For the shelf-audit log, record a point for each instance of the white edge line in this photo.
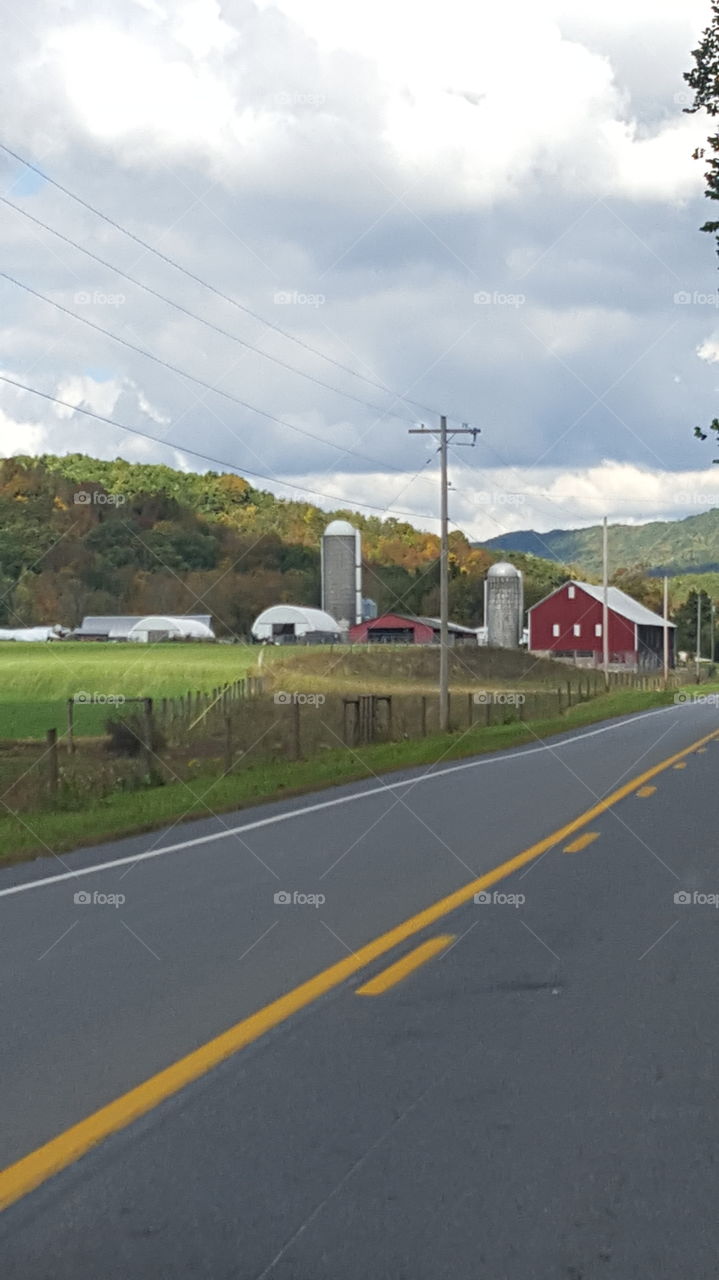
(498, 758)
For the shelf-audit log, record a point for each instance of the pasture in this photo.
(37, 679)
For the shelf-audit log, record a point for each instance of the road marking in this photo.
(681, 765)
(646, 791)
(577, 845)
(39, 1165)
(402, 968)
(499, 758)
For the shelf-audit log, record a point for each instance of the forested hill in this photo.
(671, 546)
(79, 535)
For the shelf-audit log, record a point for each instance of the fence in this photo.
(243, 724)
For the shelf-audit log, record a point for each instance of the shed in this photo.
(154, 629)
(404, 628)
(290, 623)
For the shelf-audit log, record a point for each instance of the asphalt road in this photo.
(539, 1099)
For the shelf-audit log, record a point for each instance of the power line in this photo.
(206, 457)
(178, 306)
(205, 284)
(192, 378)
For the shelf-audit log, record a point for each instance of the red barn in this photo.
(568, 624)
(400, 628)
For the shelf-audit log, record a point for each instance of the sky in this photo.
(400, 211)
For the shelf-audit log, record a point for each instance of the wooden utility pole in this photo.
(444, 434)
(666, 631)
(605, 604)
(699, 632)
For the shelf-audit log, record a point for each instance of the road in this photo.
(537, 1098)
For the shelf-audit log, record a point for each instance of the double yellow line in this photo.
(33, 1169)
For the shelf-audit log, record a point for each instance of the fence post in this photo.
(229, 759)
(470, 710)
(295, 730)
(147, 736)
(569, 693)
(423, 715)
(52, 766)
(70, 725)
(559, 700)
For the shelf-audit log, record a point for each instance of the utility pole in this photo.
(666, 632)
(713, 610)
(444, 434)
(605, 604)
(699, 631)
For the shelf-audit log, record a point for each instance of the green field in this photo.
(37, 679)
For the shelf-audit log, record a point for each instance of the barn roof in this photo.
(618, 601)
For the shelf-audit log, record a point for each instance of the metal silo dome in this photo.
(339, 529)
(503, 569)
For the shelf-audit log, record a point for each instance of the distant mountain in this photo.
(664, 546)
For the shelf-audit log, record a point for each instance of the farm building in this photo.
(120, 626)
(290, 623)
(568, 624)
(154, 629)
(401, 628)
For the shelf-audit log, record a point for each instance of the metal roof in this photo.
(315, 619)
(120, 624)
(618, 601)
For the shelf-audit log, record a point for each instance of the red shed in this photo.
(401, 628)
(568, 624)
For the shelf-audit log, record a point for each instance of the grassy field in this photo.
(37, 679)
(123, 814)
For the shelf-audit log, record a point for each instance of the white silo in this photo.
(504, 606)
(342, 573)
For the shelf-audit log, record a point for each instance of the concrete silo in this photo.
(342, 573)
(504, 606)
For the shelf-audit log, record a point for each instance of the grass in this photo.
(123, 815)
(37, 679)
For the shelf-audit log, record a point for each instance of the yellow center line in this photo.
(681, 765)
(39, 1165)
(581, 843)
(402, 968)
(646, 791)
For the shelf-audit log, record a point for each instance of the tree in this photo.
(703, 79)
(686, 623)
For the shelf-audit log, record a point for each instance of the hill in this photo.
(79, 535)
(663, 546)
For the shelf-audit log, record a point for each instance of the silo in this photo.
(503, 606)
(342, 573)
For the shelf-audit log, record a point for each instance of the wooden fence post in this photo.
(423, 715)
(70, 725)
(295, 737)
(569, 693)
(52, 765)
(470, 710)
(229, 757)
(147, 737)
